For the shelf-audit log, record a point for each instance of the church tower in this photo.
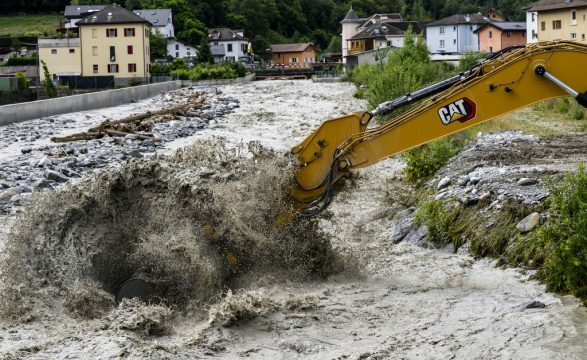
(349, 29)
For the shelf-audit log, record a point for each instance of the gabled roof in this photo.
(76, 11)
(157, 17)
(389, 28)
(504, 26)
(300, 47)
(225, 34)
(460, 19)
(351, 17)
(113, 14)
(378, 18)
(545, 5)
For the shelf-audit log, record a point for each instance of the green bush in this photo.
(21, 61)
(563, 240)
(206, 72)
(469, 59)
(566, 106)
(424, 161)
(22, 82)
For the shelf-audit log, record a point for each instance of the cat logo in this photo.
(461, 110)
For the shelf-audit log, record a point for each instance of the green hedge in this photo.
(229, 70)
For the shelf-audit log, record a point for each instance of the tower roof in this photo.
(351, 17)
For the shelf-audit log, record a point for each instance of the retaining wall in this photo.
(35, 109)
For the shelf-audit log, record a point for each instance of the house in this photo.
(454, 34)
(227, 44)
(112, 42)
(531, 26)
(74, 13)
(370, 39)
(62, 56)
(180, 49)
(303, 54)
(495, 36)
(161, 19)
(560, 19)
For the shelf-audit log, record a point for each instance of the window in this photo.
(454, 28)
(490, 34)
(177, 54)
(543, 26)
(94, 33)
(188, 53)
(583, 37)
(72, 51)
(441, 43)
(112, 53)
(573, 36)
(508, 34)
(146, 32)
(441, 29)
(533, 17)
(111, 32)
(556, 24)
(129, 32)
(454, 41)
(129, 50)
(176, 46)
(54, 51)
(95, 68)
(293, 60)
(132, 68)
(574, 17)
(534, 36)
(244, 48)
(491, 49)
(112, 68)
(94, 50)
(229, 48)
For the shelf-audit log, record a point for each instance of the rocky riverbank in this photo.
(38, 164)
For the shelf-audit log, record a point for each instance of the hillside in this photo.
(21, 25)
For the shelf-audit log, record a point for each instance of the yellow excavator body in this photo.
(506, 82)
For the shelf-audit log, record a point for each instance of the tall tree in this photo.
(204, 53)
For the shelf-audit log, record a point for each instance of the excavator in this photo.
(504, 81)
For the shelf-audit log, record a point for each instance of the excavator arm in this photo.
(504, 82)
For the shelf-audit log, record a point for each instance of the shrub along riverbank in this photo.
(557, 249)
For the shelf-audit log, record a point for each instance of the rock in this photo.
(444, 182)
(42, 184)
(474, 180)
(4, 185)
(463, 180)
(206, 172)
(527, 181)
(528, 223)
(9, 193)
(20, 199)
(485, 196)
(441, 195)
(535, 304)
(45, 161)
(135, 154)
(26, 150)
(403, 223)
(470, 200)
(55, 176)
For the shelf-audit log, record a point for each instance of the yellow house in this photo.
(560, 19)
(114, 41)
(62, 56)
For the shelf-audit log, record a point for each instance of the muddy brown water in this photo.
(405, 302)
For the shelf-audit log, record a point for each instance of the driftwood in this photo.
(138, 125)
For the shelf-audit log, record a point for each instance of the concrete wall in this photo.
(33, 110)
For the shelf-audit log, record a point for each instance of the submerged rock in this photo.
(535, 304)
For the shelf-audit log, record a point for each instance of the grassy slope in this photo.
(19, 25)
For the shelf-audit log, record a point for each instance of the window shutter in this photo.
(107, 33)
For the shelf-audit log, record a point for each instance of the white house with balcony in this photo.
(227, 44)
(179, 49)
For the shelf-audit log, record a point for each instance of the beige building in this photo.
(560, 19)
(62, 56)
(112, 42)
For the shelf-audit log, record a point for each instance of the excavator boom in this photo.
(504, 82)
